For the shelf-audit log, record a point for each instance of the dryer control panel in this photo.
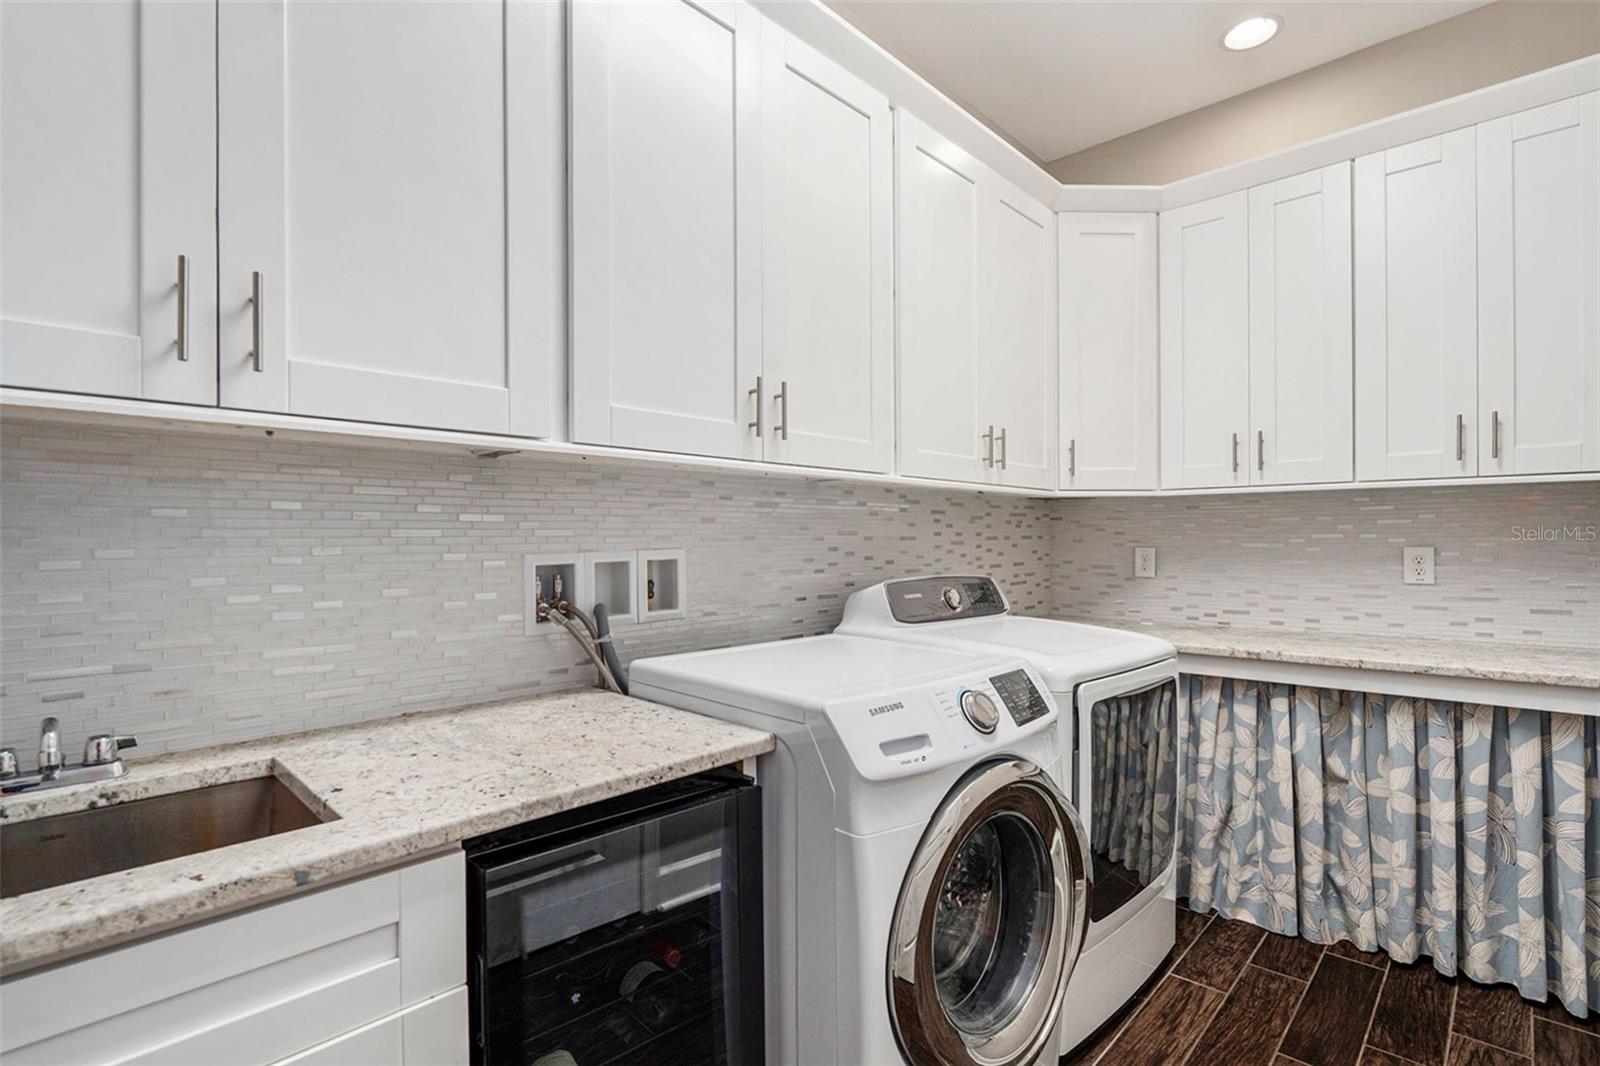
(915, 729)
(939, 599)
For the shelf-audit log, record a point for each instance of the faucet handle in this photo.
(50, 757)
(8, 762)
(103, 748)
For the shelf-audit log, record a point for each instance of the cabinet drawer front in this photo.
(432, 1033)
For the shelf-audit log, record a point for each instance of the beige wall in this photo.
(1488, 45)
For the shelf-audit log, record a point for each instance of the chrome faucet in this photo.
(102, 760)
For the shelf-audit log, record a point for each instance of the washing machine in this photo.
(1117, 694)
(926, 879)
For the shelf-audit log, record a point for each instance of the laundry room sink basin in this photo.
(63, 848)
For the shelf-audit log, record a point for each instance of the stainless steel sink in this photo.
(57, 850)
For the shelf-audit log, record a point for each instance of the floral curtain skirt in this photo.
(1467, 833)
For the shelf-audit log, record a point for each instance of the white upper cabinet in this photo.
(375, 185)
(1539, 290)
(1018, 356)
(1205, 353)
(942, 191)
(1416, 310)
(1301, 358)
(827, 263)
(665, 228)
(107, 198)
(1108, 351)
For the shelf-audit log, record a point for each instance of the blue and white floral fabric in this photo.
(1467, 833)
(1135, 756)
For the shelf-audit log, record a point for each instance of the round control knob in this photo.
(980, 711)
(951, 597)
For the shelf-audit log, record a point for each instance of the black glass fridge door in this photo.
(628, 939)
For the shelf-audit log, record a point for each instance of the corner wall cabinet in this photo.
(108, 199)
(1108, 351)
(977, 314)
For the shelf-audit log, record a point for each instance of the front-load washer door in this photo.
(990, 921)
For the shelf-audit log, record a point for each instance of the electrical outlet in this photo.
(1144, 562)
(1418, 566)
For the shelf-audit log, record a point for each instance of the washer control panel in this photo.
(900, 731)
(939, 599)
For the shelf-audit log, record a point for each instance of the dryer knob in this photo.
(980, 711)
(951, 597)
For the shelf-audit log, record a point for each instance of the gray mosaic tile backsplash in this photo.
(197, 588)
(1514, 563)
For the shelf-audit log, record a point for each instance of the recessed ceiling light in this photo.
(1252, 32)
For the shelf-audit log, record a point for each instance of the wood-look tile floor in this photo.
(1235, 995)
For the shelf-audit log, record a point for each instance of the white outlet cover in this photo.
(1417, 566)
(1144, 562)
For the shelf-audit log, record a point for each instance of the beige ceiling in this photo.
(1056, 76)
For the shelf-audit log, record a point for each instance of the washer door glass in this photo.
(990, 921)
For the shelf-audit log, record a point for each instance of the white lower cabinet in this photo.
(1539, 290)
(376, 966)
(1205, 344)
(1108, 351)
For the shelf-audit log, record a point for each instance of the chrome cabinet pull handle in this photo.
(1261, 451)
(782, 427)
(1002, 447)
(183, 309)
(1461, 440)
(1494, 435)
(1072, 457)
(988, 447)
(1236, 453)
(255, 320)
(756, 392)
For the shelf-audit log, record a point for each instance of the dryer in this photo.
(1117, 693)
(926, 879)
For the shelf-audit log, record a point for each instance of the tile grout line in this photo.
(1223, 1002)
(1372, 1015)
(1450, 1030)
(1277, 1049)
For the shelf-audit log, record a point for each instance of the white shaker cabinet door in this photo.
(1539, 290)
(1205, 344)
(1017, 371)
(666, 245)
(378, 167)
(939, 233)
(1108, 351)
(827, 262)
(108, 198)
(1301, 354)
(1416, 310)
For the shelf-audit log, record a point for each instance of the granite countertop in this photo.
(400, 786)
(1484, 660)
